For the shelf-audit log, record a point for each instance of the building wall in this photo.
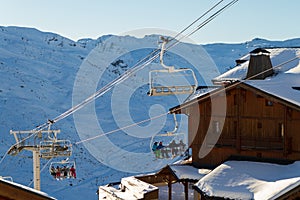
(255, 125)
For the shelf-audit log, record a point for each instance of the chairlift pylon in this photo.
(157, 89)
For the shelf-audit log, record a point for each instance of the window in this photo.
(281, 130)
(259, 125)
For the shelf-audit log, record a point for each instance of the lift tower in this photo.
(43, 144)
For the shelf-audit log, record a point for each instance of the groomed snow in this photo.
(250, 180)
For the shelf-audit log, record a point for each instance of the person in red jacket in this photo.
(73, 172)
(57, 171)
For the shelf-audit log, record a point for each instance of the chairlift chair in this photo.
(62, 169)
(171, 137)
(174, 145)
(156, 89)
(57, 148)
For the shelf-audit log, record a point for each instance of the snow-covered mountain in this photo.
(39, 72)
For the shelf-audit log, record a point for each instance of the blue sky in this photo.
(76, 19)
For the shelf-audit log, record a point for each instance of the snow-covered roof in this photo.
(250, 180)
(29, 189)
(188, 172)
(130, 188)
(139, 187)
(284, 83)
(109, 192)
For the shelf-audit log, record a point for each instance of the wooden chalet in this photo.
(246, 119)
(256, 124)
(253, 116)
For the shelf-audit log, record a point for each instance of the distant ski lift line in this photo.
(138, 66)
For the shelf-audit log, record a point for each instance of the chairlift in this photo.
(161, 88)
(174, 143)
(64, 169)
(57, 148)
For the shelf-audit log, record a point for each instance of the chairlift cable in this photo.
(122, 128)
(213, 16)
(182, 106)
(195, 21)
(138, 66)
(205, 22)
(239, 82)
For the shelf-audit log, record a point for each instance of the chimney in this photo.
(260, 65)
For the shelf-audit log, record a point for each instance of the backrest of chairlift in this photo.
(178, 81)
(62, 165)
(170, 88)
(167, 138)
(59, 148)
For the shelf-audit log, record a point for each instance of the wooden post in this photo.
(284, 132)
(170, 189)
(238, 123)
(186, 190)
(36, 169)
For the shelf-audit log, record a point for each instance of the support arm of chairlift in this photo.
(162, 51)
(175, 127)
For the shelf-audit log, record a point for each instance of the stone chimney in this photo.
(260, 65)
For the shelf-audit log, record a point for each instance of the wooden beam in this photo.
(186, 190)
(170, 189)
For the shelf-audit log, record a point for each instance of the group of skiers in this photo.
(60, 173)
(162, 151)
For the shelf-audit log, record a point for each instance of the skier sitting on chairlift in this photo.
(73, 172)
(155, 150)
(57, 171)
(163, 150)
(52, 172)
(174, 148)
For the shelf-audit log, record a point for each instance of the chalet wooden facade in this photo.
(252, 118)
(257, 125)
